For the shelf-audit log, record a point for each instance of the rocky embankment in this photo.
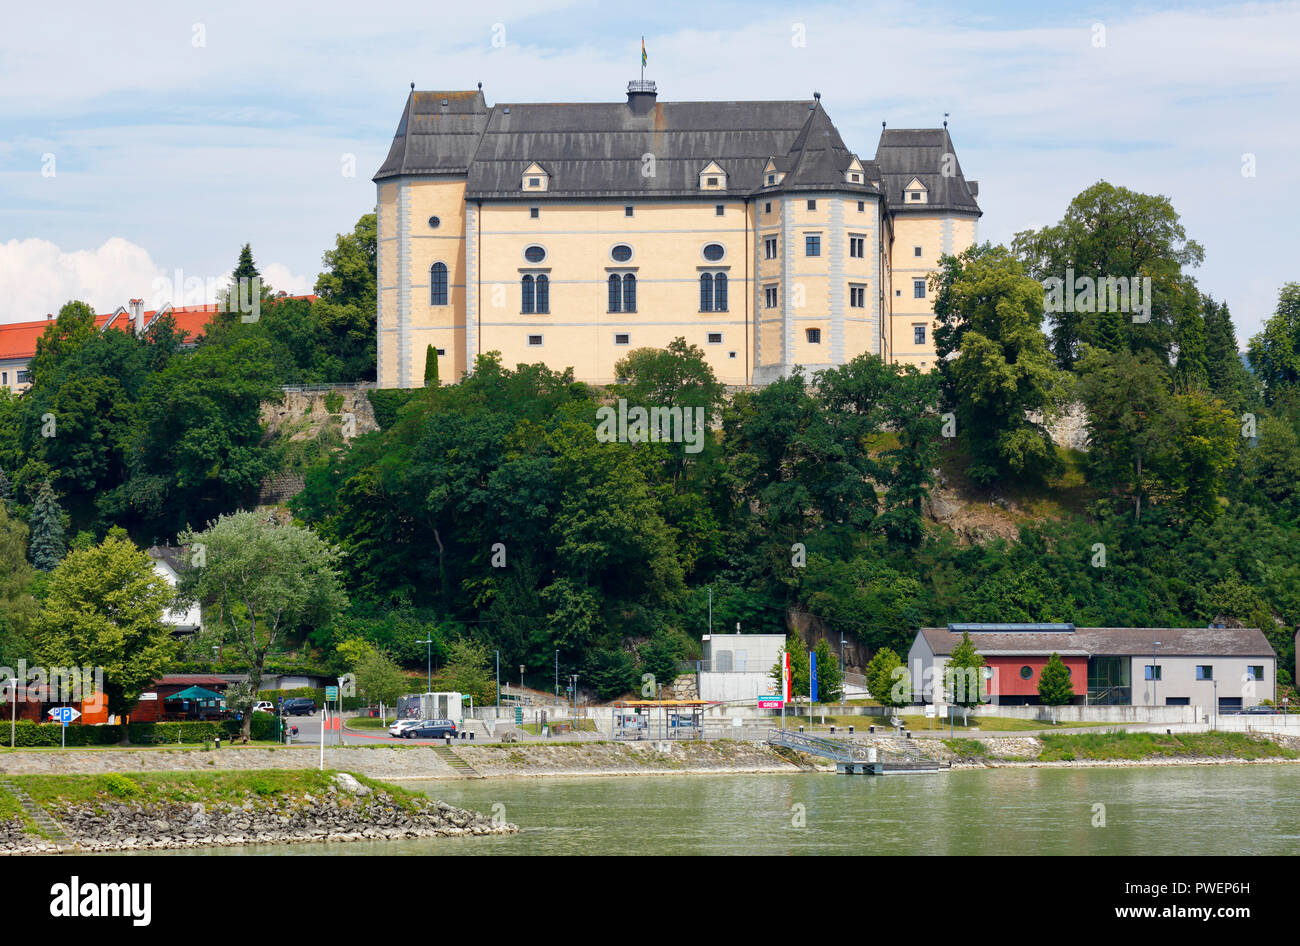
(345, 811)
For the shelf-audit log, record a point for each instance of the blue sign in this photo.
(63, 714)
(812, 677)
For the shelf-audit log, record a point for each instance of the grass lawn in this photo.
(920, 723)
(1148, 745)
(370, 722)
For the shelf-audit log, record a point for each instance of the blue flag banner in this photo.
(812, 676)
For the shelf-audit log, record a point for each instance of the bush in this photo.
(387, 402)
(119, 785)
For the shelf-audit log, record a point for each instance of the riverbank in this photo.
(1145, 748)
(400, 762)
(115, 812)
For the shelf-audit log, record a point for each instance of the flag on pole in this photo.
(812, 678)
(643, 57)
(785, 676)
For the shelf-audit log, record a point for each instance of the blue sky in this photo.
(181, 130)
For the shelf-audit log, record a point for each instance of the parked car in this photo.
(403, 724)
(264, 706)
(1259, 710)
(299, 706)
(430, 729)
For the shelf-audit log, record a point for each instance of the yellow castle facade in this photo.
(570, 234)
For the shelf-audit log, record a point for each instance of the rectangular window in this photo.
(534, 182)
(627, 211)
(857, 247)
(858, 297)
(621, 339)
(918, 334)
(769, 248)
(1255, 672)
(769, 296)
(715, 338)
(918, 288)
(534, 339)
(731, 354)
(771, 178)
(1152, 672)
(718, 209)
(862, 205)
(914, 196)
(814, 336)
(812, 205)
(441, 352)
(534, 212)
(24, 377)
(713, 182)
(767, 207)
(812, 244)
(916, 251)
(4, 377)
(1204, 672)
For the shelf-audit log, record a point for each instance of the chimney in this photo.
(137, 315)
(641, 96)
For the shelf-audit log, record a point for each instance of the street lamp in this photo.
(429, 686)
(842, 673)
(498, 653)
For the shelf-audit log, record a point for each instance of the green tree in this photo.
(431, 367)
(1054, 685)
(256, 580)
(1275, 352)
(963, 675)
(888, 680)
(830, 676)
(73, 327)
(48, 528)
(1113, 232)
(468, 670)
(378, 678)
(345, 307)
(1228, 378)
(104, 608)
(661, 654)
(995, 364)
(18, 607)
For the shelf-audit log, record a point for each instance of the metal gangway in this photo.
(851, 758)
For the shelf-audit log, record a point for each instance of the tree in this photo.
(467, 671)
(963, 675)
(431, 367)
(888, 680)
(345, 307)
(73, 327)
(830, 675)
(1228, 378)
(49, 542)
(378, 678)
(1275, 352)
(799, 668)
(104, 608)
(1112, 232)
(661, 654)
(995, 364)
(261, 579)
(18, 607)
(1055, 687)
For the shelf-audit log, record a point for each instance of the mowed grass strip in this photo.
(1130, 746)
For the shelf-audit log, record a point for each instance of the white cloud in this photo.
(37, 278)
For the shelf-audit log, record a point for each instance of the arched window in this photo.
(720, 292)
(629, 293)
(615, 285)
(438, 284)
(543, 294)
(528, 295)
(706, 292)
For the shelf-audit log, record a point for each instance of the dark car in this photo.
(430, 729)
(299, 706)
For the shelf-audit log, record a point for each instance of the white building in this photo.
(169, 562)
(739, 666)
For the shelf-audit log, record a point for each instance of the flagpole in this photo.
(643, 59)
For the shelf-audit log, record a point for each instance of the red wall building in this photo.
(1009, 679)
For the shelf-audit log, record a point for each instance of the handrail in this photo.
(817, 745)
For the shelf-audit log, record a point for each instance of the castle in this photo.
(570, 234)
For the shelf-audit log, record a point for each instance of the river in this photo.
(1222, 809)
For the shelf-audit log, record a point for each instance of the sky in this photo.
(142, 145)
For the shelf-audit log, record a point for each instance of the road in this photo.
(309, 734)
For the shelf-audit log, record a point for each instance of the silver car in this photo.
(396, 729)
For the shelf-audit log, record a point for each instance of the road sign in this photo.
(64, 714)
(331, 693)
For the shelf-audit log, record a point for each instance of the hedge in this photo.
(45, 735)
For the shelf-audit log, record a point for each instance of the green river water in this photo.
(1226, 809)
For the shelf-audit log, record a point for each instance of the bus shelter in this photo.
(657, 719)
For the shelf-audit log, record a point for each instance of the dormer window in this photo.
(916, 192)
(536, 178)
(713, 177)
(853, 173)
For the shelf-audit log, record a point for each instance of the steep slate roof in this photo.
(594, 150)
(433, 138)
(1111, 641)
(906, 153)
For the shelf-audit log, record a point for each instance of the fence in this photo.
(317, 388)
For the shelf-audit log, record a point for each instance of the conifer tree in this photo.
(1054, 685)
(49, 541)
(431, 367)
